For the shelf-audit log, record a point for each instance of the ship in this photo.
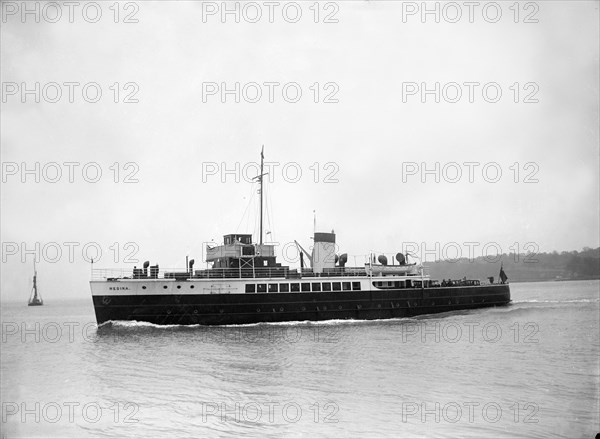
(243, 283)
(35, 299)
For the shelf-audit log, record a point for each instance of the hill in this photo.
(521, 267)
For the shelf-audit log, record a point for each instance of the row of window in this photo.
(400, 284)
(304, 287)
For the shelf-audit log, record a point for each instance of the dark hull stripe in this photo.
(227, 309)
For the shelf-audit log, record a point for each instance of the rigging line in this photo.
(250, 215)
(251, 207)
(270, 215)
(266, 206)
(256, 230)
(273, 232)
(246, 210)
(255, 208)
(247, 228)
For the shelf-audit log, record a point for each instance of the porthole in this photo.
(168, 311)
(178, 287)
(303, 308)
(191, 286)
(340, 307)
(165, 287)
(143, 287)
(195, 311)
(281, 309)
(257, 309)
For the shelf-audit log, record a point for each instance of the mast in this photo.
(260, 190)
(36, 298)
(260, 181)
(34, 283)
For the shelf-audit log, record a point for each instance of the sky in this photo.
(370, 146)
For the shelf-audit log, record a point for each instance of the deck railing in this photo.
(101, 274)
(179, 274)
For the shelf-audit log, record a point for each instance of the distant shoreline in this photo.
(554, 280)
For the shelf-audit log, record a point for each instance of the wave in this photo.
(139, 324)
(520, 311)
(135, 325)
(558, 301)
(533, 306)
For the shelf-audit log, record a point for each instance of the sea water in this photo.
(530, 369)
